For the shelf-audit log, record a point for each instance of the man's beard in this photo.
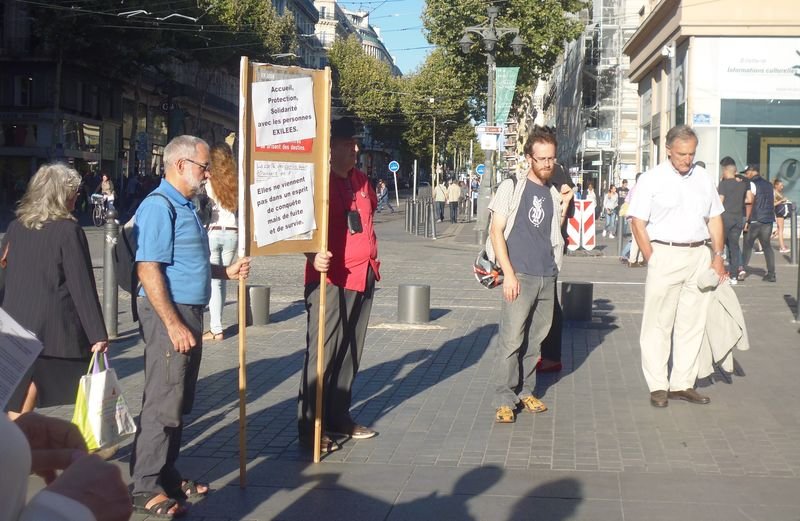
(543, 175)
(195, 184)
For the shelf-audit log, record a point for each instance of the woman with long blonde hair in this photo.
(223, 191)
(50, 288)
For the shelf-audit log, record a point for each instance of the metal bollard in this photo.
(110, 290)
(408, 215)
(576, 300)
(793, 234)
(426, 213)
(257, 306)
(433, 223)
(413, 303)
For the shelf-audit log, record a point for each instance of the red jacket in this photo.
(352, 254)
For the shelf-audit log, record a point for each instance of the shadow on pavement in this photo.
(578, 341)
(387, 388)
(315, 492)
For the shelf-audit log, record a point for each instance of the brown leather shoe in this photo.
(690, 395)
(659, 399)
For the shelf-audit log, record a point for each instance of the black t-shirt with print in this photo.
(529, 247)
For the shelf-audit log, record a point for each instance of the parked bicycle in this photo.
(99, 210)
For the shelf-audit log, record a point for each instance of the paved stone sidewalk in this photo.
(600, 453)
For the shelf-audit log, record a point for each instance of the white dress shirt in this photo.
(676, 207)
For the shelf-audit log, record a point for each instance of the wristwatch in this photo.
(720, 254)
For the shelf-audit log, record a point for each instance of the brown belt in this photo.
(222, 228)
(682, 244)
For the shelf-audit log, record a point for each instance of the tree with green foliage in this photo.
(362, 84)
(544, 26)
(438, 89)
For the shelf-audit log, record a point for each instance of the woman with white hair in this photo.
(50, 288)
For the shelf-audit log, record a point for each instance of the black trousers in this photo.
(733, 232)
(346, 319)
(170, 379)
(762, 232)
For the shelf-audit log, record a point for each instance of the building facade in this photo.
(729, 68)
(590, 100)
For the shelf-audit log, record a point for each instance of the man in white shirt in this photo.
(676, 214)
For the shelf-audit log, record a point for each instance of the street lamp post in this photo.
(490, 34)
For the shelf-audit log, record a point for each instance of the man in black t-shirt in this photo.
(734, 194)
(526, 242)
(550, 361)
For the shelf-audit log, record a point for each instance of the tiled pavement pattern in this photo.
(600, 453)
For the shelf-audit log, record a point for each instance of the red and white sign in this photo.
(581, 227)
(304, 146)
(588, 241)
(574, 229)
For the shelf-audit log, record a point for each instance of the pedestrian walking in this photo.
(610, 204)
(760, 220)
(453, 198)
(440, 198)
(525, 240)
(735, 195)
(383, 196)
(783, 209)
(222, 190)
(351, 268)
(50, 289)
(676, 212)
(172, 262)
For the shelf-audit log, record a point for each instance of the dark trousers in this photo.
(551, 345)
(170, 379)
(346, 319)
(440, 210)
(733, 232)
(762, 232)
(453, 212)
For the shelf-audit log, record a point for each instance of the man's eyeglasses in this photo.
(545, 160)
(204, 166)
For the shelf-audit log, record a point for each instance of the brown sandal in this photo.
(208, 335)
(504, 414)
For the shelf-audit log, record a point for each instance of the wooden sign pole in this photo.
(242, 383)
(323, 283)
(262, 166)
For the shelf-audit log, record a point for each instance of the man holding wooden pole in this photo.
(351, 266)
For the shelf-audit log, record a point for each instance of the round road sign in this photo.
(480, 169)
(394, 166)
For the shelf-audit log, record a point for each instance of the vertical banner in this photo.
(505, 84)
(284, 175)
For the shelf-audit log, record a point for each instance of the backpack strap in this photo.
(174, 217)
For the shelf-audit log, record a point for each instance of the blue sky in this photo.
(401, 28)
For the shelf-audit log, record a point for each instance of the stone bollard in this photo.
(576, 300)
(257, 305)
(413, 303)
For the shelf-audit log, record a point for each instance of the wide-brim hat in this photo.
(346, 128)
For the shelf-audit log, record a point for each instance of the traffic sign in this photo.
(480, 169)
(394, 166)
(490, 129)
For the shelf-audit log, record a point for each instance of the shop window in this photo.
(23, 91)
(760, 112)
(16, 135)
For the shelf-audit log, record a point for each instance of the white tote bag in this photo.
(101, 412)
